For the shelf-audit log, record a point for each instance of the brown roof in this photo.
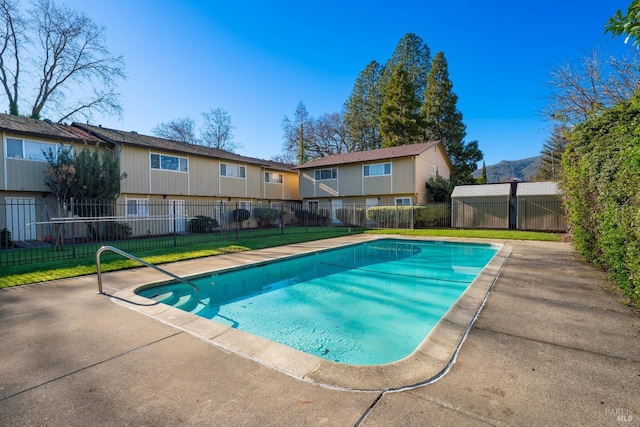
(370, 155)
(133, 138)
(44, 129)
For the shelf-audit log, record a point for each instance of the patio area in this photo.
(552, 346)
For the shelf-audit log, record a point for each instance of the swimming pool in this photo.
(366, 304)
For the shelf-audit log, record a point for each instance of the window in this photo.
(232, 171)
(275, 178)
(324, 174)
(403, 201)
(274, 205)
(137, 207)
(377, 169)
(245, 205)
(169, 163)
(313, 206)
(434, 171)
(30, 150)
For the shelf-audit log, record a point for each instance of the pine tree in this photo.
(483, 174)
(362, 110)
(400, 120)
(443, 122)
(551, 154)
(415, 56)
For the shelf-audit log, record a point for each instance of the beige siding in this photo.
(307, 185)
(135, 163)
(169, 182)
(25, 175)
(376, 185)
(204, 174)
(327, 188)
(291, 186)
(350, 179)
(403, 171)
(255, 179)
(3, 184)
(232, 187)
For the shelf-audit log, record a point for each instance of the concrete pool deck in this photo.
(552, 346)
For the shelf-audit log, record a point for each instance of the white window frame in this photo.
(273, 178)
(142, 208)
(399, 201)
(245, 204)
(367, 172)
(35, 154)
(181, 161)
(317, 174)
(226, 167)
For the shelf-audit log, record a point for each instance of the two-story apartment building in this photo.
(395, 175)
(164, 179)
(23, 193)
(162, 171)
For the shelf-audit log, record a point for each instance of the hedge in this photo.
(601, 179)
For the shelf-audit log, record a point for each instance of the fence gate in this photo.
(177, 216)
(21, 218)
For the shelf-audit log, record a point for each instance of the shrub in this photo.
(202, 224)
(313, 218)
(5, 239)
(117, 231)
(601, 179)
(240, 215)
(266, 216)
(390, 216)
(429, 216)
(355, 217)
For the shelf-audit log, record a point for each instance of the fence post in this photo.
(73, 228)
(282, 218)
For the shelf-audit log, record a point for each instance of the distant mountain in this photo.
(508, 170)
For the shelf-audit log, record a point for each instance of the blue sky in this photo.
(258, 60)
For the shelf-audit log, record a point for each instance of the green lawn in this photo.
(60, 269)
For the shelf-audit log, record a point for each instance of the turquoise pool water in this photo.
(366, 304)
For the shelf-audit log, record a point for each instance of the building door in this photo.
(177, 216)
(21, 218)
(335, 205)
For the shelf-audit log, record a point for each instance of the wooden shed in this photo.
(535, 206)
(480, 206)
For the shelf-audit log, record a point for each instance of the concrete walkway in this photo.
(552, 346)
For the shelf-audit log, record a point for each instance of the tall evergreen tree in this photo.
(298, 134)
(551, 154)
(415, 56)
(362, 109)
(443, 122)
(483, 174)
(400, 120)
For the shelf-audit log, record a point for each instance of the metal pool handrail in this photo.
(135, 258)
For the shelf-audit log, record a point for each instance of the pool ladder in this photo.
(135, 258)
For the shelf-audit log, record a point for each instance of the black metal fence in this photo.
(34, 232)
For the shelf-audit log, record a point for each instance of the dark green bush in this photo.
(117, 231)
(313, 218)
(202, 224)
(240, 215)
(430, 216)
(601, 180)
(266, 217)
(5, 239)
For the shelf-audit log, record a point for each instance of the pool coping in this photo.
(431, 359)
